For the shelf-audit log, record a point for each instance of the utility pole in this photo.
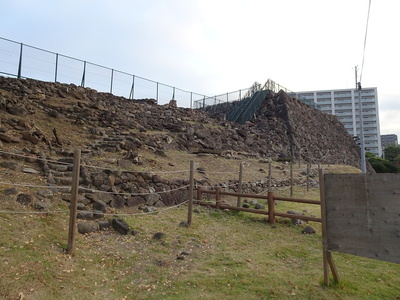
(363, 161)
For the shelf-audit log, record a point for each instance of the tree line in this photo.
(390, 163)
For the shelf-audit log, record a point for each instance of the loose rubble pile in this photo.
(115, 124)
(283, 123)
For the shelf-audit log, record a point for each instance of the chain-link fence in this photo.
(24, 61)
(218, 99)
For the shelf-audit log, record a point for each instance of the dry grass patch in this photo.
(229, 256)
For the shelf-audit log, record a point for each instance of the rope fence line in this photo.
(91, 190)
(104, 214)
(235, 184)
(128, 194)
(134, 171)
(260, 193)
(76, 188)
(219, 172)
(134, 194)
(324, 157)
(33, 212)
(126, 171)
(92, 166)
(37, 186)
(148, 213)
(36, 158)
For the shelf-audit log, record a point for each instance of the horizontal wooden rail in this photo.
(297, 200)
(265, 197)
(271, 204)
(295, 216)
(224, 206)
(255, 196)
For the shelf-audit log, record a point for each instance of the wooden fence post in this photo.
(291, 178)
(299, 157)
(326, 254)
(74, 201)
(190, 206)
(199, 193)
(218, 197)
(271, 208)
(240, 184)
(269, 174)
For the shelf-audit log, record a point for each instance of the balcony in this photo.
(343, 112)
(324, 96)
(323, 101)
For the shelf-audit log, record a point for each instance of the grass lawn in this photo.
(223, 255)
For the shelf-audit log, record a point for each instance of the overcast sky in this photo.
(216, 46)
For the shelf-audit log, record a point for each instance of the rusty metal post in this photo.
(240, 184)
(74, 201)
(271, 208)
(190, 206)
(218, 197)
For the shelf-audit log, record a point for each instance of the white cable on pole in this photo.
(365, 41)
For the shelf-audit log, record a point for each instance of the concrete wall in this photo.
(363, 215)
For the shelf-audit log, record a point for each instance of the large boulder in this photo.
(120, 226)
(88, 227)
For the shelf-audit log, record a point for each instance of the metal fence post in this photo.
(83, 75)
(131, 94)
(112, 78)
(157, 93)
(55, 73)
(20, 62)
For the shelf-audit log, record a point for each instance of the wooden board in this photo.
(363, 215)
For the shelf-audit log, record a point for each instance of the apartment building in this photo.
(344, 104)
(388, 139)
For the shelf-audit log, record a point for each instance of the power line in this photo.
(365, 40)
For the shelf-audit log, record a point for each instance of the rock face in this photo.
(280, 124)
(125, 127)
(283, 123)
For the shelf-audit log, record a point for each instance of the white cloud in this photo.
(212, 46)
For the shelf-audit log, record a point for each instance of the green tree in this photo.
(369, 155)
(391, 152)
(396, 161)
(253, 89)
(382, 165)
